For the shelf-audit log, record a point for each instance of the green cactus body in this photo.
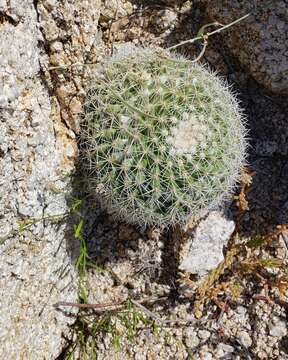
(163, 138)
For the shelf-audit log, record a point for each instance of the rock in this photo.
(204, 249)
(204, 334)
(72, 42)
(36, 268)
(277, 328)
(207, 356)
(259, 43)
(244, 338)
(223, 350)
(190, 338)
(241, 310)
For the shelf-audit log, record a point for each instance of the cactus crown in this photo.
(163, 138)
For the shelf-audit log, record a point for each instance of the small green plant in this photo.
(162, 138)
(122, 325)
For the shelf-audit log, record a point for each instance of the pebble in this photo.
(204, 249)
(204, 334)
(224, 349)
(244, 338)
(278, 328)
(241, 310)
(190, 338)
(207, 356)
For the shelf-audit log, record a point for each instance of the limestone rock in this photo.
(204, 249)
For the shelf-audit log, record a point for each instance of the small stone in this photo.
(224, 349)
(35, 121)
(58, 59)
(277, 328)
(75, 106)
(244, 338)
(49, 4)
(205, 247)
(207, 356)
(191, 339)
(70, 151)
(24, 210)
(204, 335)
(241, 310)
(56, 46)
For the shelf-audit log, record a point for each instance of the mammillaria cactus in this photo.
(163, 138)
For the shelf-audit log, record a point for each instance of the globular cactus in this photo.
(163, 138)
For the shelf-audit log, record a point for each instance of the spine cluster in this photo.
(162, 138)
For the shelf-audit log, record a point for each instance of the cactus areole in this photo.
(163, 138)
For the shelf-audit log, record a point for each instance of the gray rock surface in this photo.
(70, 31)
(204, 249)
(36, 154)
(259, 43)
